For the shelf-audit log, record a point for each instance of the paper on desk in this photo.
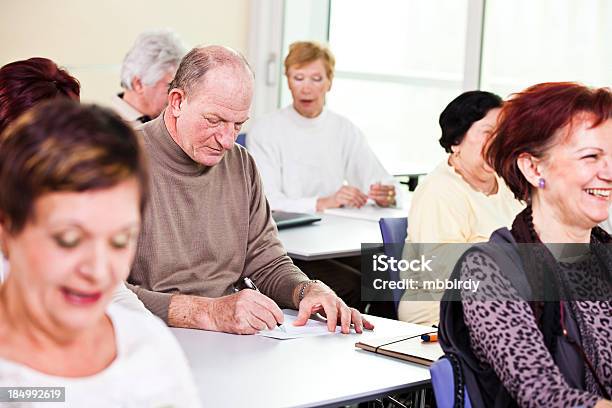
(370, 212)
(310, 329)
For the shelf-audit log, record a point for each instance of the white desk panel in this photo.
(332, 237)
(254, 371)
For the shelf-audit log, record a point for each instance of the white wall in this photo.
(90, 37)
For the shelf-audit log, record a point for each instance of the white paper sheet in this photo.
(369, 212)
(289, 331)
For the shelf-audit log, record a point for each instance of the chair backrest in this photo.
(241, 139)
(443, 384)
(394, 232)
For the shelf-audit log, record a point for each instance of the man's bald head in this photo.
(209, 101)
(201, 60)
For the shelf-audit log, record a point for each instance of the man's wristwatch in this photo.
(303, 287)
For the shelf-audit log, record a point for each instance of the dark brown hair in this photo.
(60, 145)
(529, 123)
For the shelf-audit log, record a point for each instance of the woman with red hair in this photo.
(25, 83)
(538, 328)
(62, 166)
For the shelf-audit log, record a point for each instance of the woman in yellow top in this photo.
(462, 200)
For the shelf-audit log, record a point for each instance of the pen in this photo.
(430, 337)
(251, 285)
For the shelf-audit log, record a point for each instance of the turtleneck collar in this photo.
(168, 152)
(304, 121)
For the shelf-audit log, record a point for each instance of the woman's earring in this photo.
(541, 183)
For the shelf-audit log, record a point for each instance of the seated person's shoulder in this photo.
(344, 123)
(135, 328)
(240, 158)
(440, 184)
(148, 353)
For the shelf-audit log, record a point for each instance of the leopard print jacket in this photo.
(504, 334)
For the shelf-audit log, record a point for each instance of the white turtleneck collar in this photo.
(304, 121)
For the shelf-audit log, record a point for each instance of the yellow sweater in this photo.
(446, 209)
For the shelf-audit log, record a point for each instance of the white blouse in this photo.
(150, 370)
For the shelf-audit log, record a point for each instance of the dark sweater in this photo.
(205, 228)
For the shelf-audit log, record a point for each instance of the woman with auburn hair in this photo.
(27, 82)
(538, 328)
(62, 166)
(24, 84)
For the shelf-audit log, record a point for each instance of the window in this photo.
(400, 62)
(527, 42)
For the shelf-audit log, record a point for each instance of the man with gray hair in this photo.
(146, 72)
(208, 228)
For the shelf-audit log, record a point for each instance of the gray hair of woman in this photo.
(153, 54)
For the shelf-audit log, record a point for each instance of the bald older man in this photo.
(208, 224)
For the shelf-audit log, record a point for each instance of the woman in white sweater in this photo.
(73, 187)
(309, 157)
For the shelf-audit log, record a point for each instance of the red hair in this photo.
(529, 123)
(25, 83)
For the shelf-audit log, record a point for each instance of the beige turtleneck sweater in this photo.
(205, 228)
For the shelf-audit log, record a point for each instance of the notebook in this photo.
(410, 348)
(290, 219)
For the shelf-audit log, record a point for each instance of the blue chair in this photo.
(443, 384)
(241, 139)
(394, 232)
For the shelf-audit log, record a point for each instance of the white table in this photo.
(332, 237)
(409, 168)
(254, 371)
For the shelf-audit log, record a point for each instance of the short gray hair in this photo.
(200, 60)
(154, 54)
